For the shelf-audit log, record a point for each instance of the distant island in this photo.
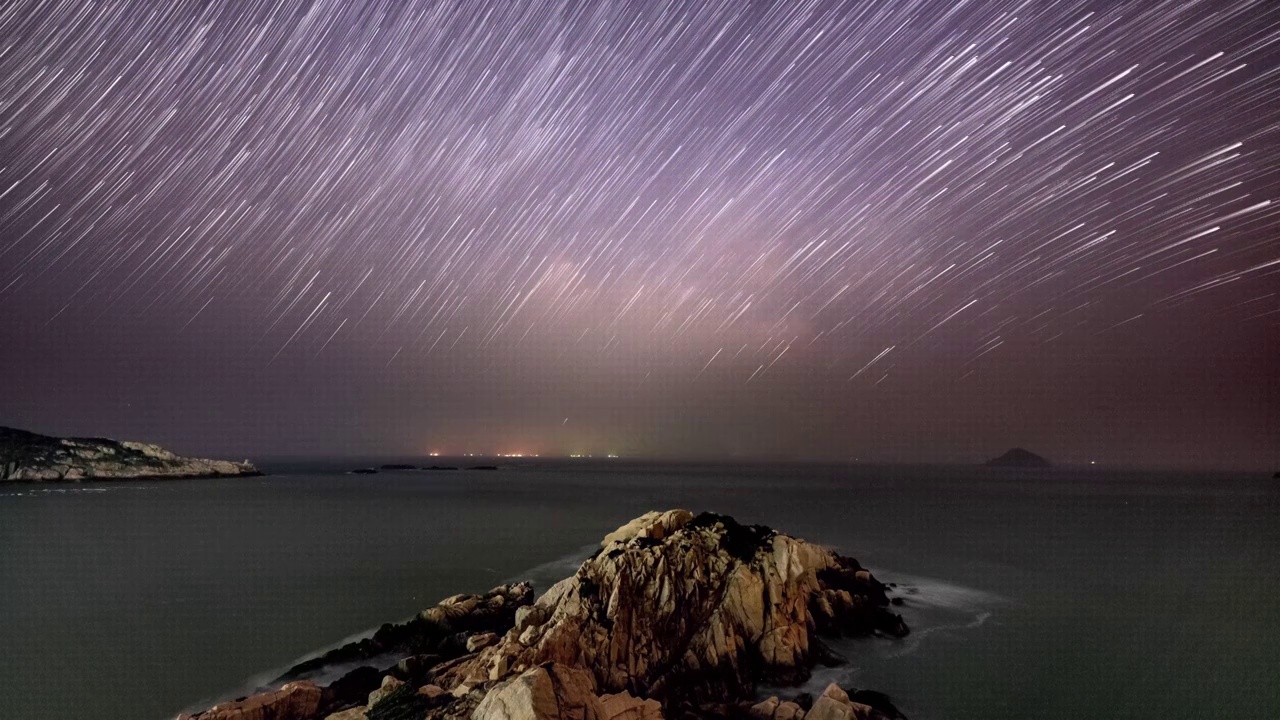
(404, 468)
(1018, 457)
(31, 457)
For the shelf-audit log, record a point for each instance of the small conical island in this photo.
(1018, 457)
(31, 457)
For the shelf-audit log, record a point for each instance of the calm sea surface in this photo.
(1031, 594)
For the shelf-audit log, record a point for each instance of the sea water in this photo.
(1062, 593)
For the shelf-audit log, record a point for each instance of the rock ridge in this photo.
(31, 457)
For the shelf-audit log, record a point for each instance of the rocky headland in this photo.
(31, 457)
(674, 616)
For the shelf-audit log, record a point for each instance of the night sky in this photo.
(893, 231)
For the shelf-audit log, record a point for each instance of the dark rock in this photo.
(1017, 457)
(440, 630)
(399, 467)
(483, 467)
(364, 471)
(402, 703)
(742, 541)
(414, 668)
(877, 701)
(353, 688)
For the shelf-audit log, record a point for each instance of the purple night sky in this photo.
(895, 231)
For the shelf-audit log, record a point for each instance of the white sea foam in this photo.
(932, 608)
(36, 492)
(322, 675)
(926, 592)
(547, 574)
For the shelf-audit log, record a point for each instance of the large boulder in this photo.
(547, 692)
(676, 607)
(623, 706)
(836, 704)
(294, 701)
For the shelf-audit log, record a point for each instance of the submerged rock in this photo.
(28, 456)
(1017, 457)
(675, 616)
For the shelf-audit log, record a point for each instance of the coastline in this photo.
(31, 457)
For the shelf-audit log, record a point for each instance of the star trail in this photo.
(734, 212)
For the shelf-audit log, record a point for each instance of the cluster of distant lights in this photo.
(522, 455)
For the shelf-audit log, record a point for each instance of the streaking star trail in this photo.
(614, 204)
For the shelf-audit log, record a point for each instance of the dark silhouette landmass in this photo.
(1017, 457)
(405, 468)
(31, 457)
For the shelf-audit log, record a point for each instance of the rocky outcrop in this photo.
(27, 456)
(682, 608)
(675, 615)
(1017, 457)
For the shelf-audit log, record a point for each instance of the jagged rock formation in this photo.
(28, 456)
(682, 608)
(1017, 457)
(674, 616)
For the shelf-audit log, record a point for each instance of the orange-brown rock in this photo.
(294, 701)
(678, 607)
(547, 692)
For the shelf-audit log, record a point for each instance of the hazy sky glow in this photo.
(914, 230)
